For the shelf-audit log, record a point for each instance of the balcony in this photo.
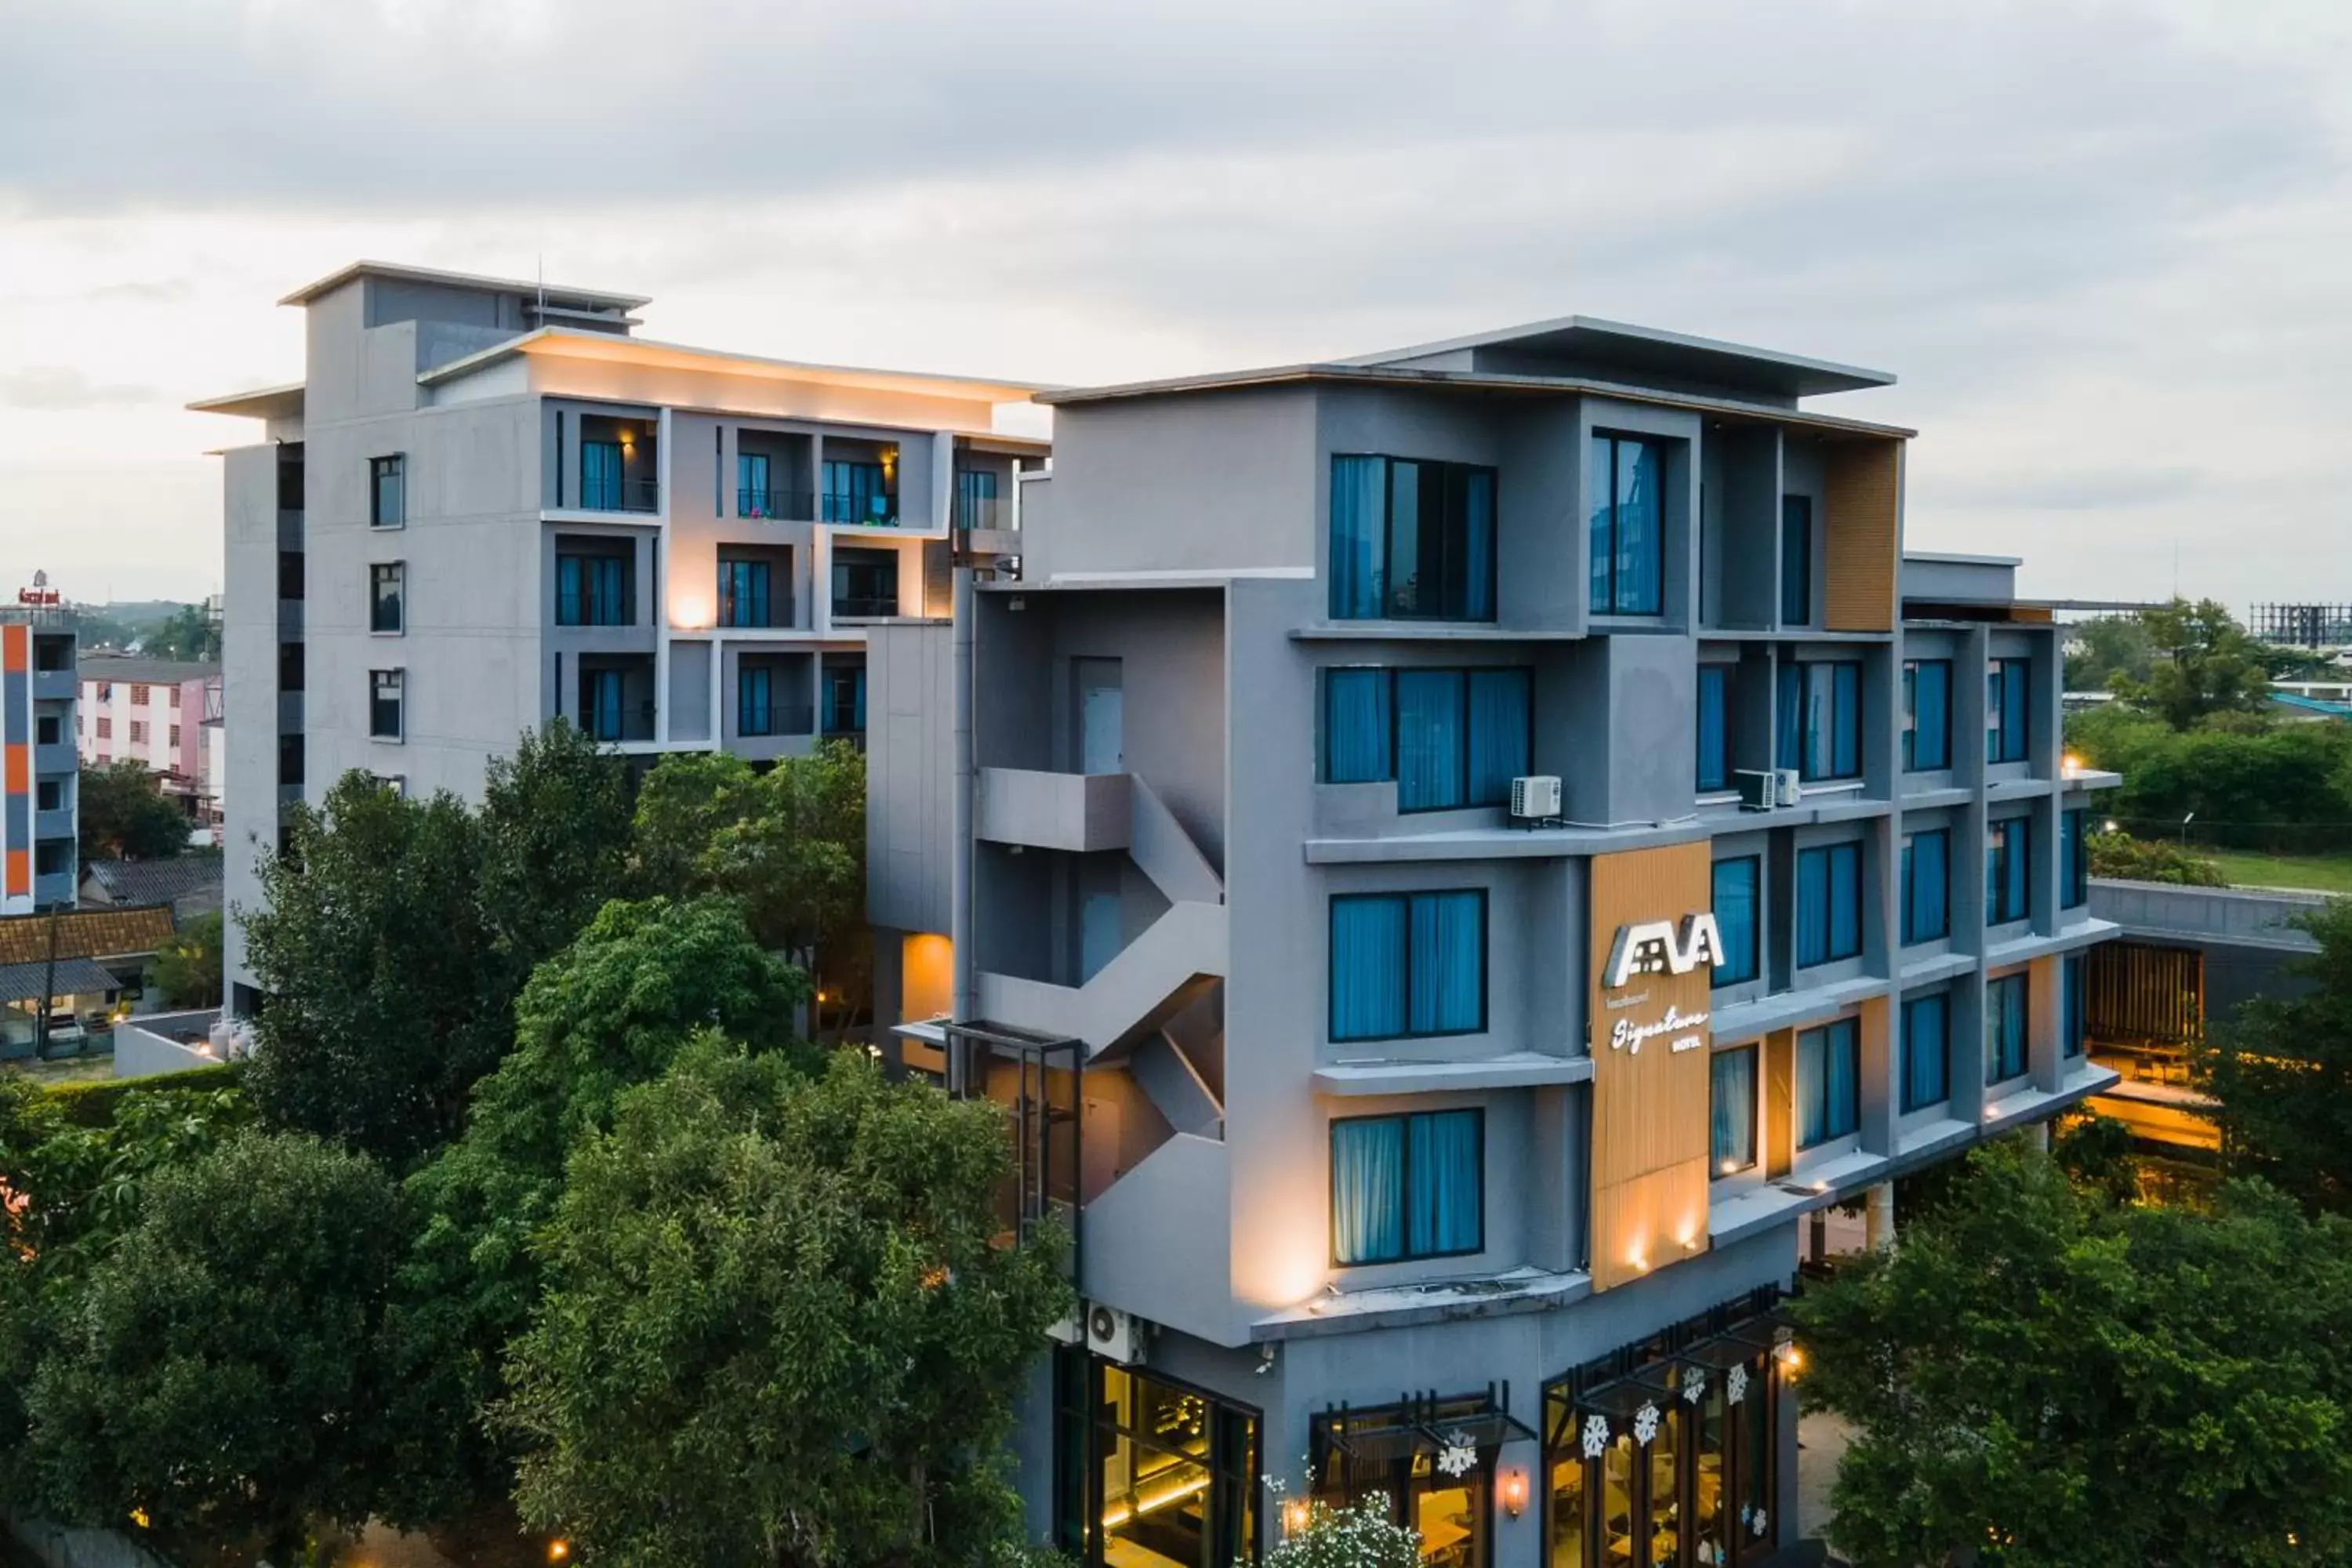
(774, 505)
(57, 822)
(55, 757)
(1078, 811)
(616, 470)
(54, 685)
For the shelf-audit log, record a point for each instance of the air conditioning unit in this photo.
(1537, 795)
(1758, 788)
(1790, 788)
(1114, 1335)
(1069, 1328)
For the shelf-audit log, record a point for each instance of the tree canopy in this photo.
(2118, 645)
(2283, 787)
(124, 815)
(188, 964)
(2202, 664)
(777, 1327)
(2281, 1071)
(2048, 1380)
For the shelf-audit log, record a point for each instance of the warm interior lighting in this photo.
(1120, 1513)
(1792, 1359)
(690, 612)
(1640, 1261)
(1294, 1516)
(1514, 1492)
(2073, 764)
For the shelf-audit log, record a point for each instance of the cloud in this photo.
(49, 386)
(2078, 491)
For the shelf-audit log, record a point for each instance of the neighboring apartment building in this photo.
(39, 805)
(164, 713)
(1454, 1159)
(488, 503)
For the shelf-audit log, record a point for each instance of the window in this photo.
(1625, 499)
(52, 857)
(1148, 1470)
(2007, 695)
(1449, 737)
(290, 666)
(1714, 728)
(175, 696)
(1412, 540)
(1408, 1187)
(174, 741)
(1829, 903)
(387, 491)
(289, 574)
(600, 476)
(755, 708)
(743, 599)
(1732, 1095)
(1406, 964)
(1829, 1082)
(1927, 886)
(49, 795)
(1796, 561)
(2005, 1028)
(865, 582)
(2074, 978)
(289, 759)
(975, 503)
(105, 728)
(1738, 886)
(1821, 718)
(2009, 857)
(1927, 1051)
(859, 492)
(1927, 714)
(843, 691)
(601, 704)
(387, 613)
(2074, 859)
(47, 730)
(141, 694)
(386, 718)
(753, 495)
(595, 589)
(138, 732)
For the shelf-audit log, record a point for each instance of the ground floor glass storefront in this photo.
(1664, 1455)
(1150, 1473)
(1429, 1462)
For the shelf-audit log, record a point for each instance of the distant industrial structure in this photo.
(2302, 626)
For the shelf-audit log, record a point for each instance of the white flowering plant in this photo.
(1358, 1537)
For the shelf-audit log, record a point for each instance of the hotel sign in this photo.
(1656, 947)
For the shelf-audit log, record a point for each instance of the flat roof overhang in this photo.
(562, 343)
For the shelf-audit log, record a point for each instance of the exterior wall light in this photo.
(1514, 1492)
(1294, 1516)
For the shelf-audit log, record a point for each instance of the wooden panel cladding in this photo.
(1875, 1025)
(1650, 1075)
(2143, 994)
(1862, 534)
(1779, 1102)
(2045, 999)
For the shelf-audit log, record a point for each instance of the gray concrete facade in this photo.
(1163, 896)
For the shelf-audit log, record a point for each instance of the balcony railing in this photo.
(771, 504)
(641, 495)
(775, 615)
(869, 511)
(986, 512)
(872, 607)
(780, 719)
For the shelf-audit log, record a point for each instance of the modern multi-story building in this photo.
(39, 805)
(1429, 1135)
(163, 713)
(488, 503)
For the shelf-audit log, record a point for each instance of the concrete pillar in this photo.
(1878, 1216)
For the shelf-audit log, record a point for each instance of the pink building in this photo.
(164, 713)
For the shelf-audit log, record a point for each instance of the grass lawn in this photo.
(96, 1068)
(2320, 873)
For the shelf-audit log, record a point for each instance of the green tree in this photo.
(2283, 787)
(216, 1373)
(2041, 1379)
(612, 1012)
(2117, 646)
(124, 815)
(188, 964)
(779, 1327)
(389, 993)
(2204, 663)
(555, 840)
(2119, 853)
(187, 634)
(2281, 1071)
(681, 807)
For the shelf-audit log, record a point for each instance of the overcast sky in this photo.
(2105, 247)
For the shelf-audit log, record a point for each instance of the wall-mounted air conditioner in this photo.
(1790, 788)
(1758, 788)
(1535, 797)
(1115, 1335)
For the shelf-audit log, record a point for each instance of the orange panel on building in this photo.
(20, 871)
(20, 769)
(16, 645)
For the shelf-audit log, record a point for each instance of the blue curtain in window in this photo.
(753, 706)
(1814, 1120)
(2016, 895)
(1789, 731)
(1732, 1097)
(1735, 919)
(1478, 545)
(1819, 721)
(1796, 560)
(2005, 1028)
(1714, 728)
(1845, 899)
(1927, 1052)
(604, 704)
(1358, 508)
(2073, 860)
(569, 605)
(2017, 690)
(751, 485)
(1444, 1210)
(1928, 744)
(1448, 963)
(1843, 1087)
(1499, 704)
(600, 476)
(1430, 738)
(1926, 882)
(1355, 726)
(857, 688)
(1812, 906)
(1367, 968)
(1367, 1190)
(1845, 708)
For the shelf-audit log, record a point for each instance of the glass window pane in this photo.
(1430, 726)
(1368, 1190)
(1477, 544)
(1735, 920)
(1714, 728)
(1812, 906)
(1732, 1107)
(1448, 963)
(1446, 1206)
(1367, 967)
(1641, 529)
(1845, 707)
(1355, 726)
(1600, 507)
(1500, 705)
(1410, 592)
(1359, 511)
(1796, 560)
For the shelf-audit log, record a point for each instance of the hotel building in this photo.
(40, 819)
(488, 503)
(1413, 1147)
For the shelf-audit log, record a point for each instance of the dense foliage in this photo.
(2117, 647)
(2202, 664)
(187, 634)
(2119, 853)
(124, 816)
(1360, 1537)
(2281, 1071)
(2043, 1379)
(2285, 787)
(188, 964)
(778, 1327)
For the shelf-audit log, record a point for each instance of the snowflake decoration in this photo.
(1596, 1435)
(1734, 1386)
(1459, 1457)
(1745, 1510)
(1757, 1523)
(1645, 1422)
(1694, 1388)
